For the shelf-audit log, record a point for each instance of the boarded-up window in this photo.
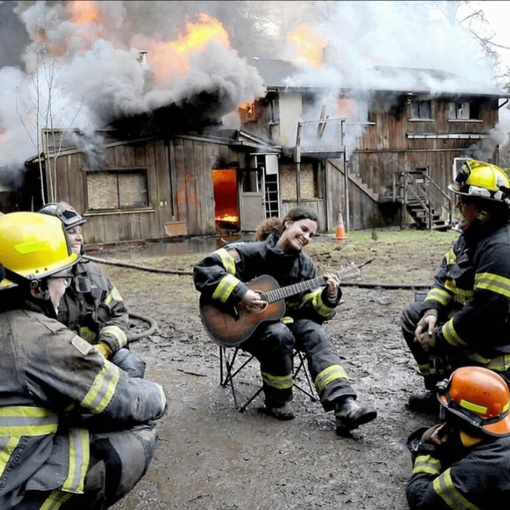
(126, 189)
(310, 179)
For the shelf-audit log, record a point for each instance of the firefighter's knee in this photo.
(129, 362)
(122, 459)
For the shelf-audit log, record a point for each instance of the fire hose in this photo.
(361, 285)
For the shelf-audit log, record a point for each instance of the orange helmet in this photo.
(477, 400)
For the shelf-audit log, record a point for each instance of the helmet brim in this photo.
(453, 189)
(499, 428)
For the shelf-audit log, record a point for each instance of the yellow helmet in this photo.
(33, 246)
(481, 180)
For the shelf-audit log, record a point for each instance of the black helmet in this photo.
(64, 212)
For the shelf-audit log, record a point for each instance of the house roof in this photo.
(281, 74)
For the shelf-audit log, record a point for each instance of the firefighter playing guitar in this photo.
(230, 326)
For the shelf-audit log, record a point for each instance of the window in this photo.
(464, 110)
(421, 109)
(117, 189)
(249, 112)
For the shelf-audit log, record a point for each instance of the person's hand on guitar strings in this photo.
(332, 285)
(253, 301)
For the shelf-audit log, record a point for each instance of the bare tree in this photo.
(37, 115)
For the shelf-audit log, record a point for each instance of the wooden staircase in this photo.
(427, 204)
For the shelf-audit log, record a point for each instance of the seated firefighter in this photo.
(221, 279)
(92, 306)
(465, 461)
(465, 317)
(68, 441)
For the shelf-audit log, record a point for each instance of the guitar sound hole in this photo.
(257, 309)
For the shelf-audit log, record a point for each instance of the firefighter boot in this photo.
(284, 412)
(349, 415)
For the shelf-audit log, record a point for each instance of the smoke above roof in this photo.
(82, 65)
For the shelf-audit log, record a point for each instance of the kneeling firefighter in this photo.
(76, 431)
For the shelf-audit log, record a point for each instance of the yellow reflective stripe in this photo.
(450, 257)
(87, 334)
(450, 286)
(498, 364)
(329, 374)
(79, 457)
(424, 369)
(439, 295)
(27, 421)
(6, 452)
(443, 485)
(470, 406)
(225, 287)
(451, 335)
(114, 296)
(55, 500)
(321, 308)
(117, 333)
(427, 464)
(227, 260)
(280, 382)
(317, 303)
(102, 389)
(463, 293)
(493, 282)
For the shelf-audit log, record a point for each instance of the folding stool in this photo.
(231, 366)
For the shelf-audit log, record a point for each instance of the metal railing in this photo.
(418, 192)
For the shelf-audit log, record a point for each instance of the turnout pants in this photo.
(273, 345)
(118, 460)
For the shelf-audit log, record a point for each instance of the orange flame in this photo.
(84, 12)
(308, 44)
(172, 58)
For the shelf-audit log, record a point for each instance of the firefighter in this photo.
(92, 306)
(221, 278)
(67, 441)
(464, 462)
(465, 317)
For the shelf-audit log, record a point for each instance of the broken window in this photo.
(122, 189)
(464, 110)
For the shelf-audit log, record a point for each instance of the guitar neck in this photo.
(274, 295)
(285, 292)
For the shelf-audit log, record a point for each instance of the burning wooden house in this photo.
(220, 149)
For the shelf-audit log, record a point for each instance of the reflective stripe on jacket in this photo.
(474, 482)
(223, 275)
(472, 293)
(93, 307)
(43, 445)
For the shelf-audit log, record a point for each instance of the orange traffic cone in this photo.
(340, 230)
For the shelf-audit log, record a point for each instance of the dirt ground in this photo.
(212, 457)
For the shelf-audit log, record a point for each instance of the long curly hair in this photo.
(277, 225)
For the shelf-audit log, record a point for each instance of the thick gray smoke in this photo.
(76, 65)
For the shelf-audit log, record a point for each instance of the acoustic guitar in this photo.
(230, 326)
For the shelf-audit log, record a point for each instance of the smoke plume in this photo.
(82, 65)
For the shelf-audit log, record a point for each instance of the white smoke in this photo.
(84, 73)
